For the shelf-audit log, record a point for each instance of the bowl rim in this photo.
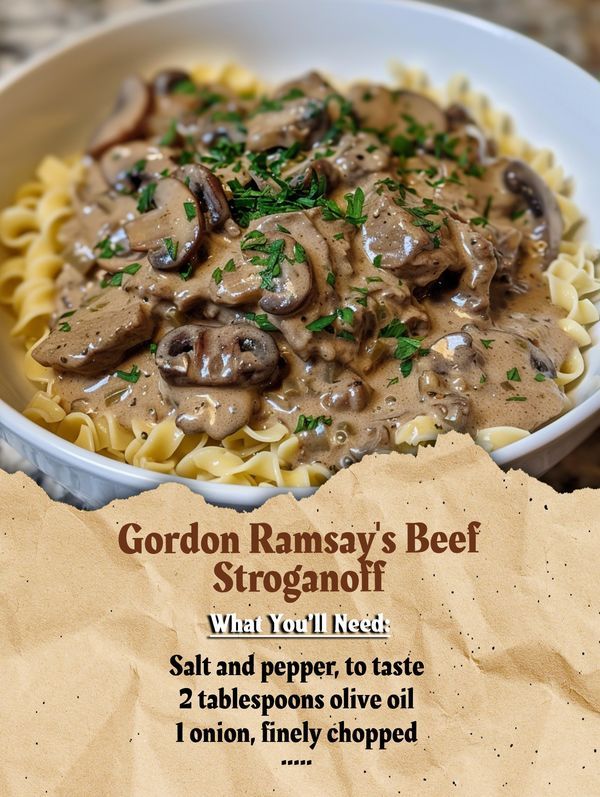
(141, 479)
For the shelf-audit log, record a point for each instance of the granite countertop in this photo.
(571, 27)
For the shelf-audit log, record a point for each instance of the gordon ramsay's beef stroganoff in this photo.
(339, 263)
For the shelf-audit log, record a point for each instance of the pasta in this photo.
(31, 227)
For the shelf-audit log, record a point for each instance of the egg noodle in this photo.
(29, 229)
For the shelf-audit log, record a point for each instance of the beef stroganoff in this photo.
(262, 287)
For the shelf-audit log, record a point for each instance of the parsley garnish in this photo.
(274, 252)
(185, 87)
(345, 314)
(483, 221)
(129, 376)
(354, 207)
(513, 375)
(517, 398)
(64, 327)
(186, 273)
(308, 423)
(153, 348)
(406, 347)
(539, 377)
(261, 321)
(190, 210)
(106, 250)
(217, 276)
(116, 279)
(393, 381)
(223, 153)
(330, 279)
(146, 200)
(487, 343)
(299, 253)
(172, 247)
(170, 136)
(253, 203)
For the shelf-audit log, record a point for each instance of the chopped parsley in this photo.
(223, 153)
(513, 375)
(116, 279)
(393, 381)
(299, 253)
(330, 279)
(345, 314)
(68, 314)
(484, 220)
(172, 247)
(406, 347)
(517, 398)
(64, 327)
(107, 250)
(190, 210)
(185, 87)
(487, 343)
(217, 276)
(274, 255)
(377, 261)
(146, 198)
(129, 376)
(539, 377)
(308, 423)
(153, 348)
(186, 273)
(422, 213)
(262, 322)
(170, 136)
(248, 204)
(354, 208)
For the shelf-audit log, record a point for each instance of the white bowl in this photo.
(51, 105)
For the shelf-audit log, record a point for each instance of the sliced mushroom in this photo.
(296, 122)
(384, 110)
(127, 118)
(208, 190)
(172, 233)
(291, 289)
(521, 180)
(470, 138)
(312, 84)
(126, 165)
(320, 169)
(291, 273)
(423, 110)
(236, 355)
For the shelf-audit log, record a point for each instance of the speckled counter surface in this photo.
(572, 27)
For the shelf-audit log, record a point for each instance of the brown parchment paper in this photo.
(510, 638)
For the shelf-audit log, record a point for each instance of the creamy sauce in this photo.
(395, 262)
